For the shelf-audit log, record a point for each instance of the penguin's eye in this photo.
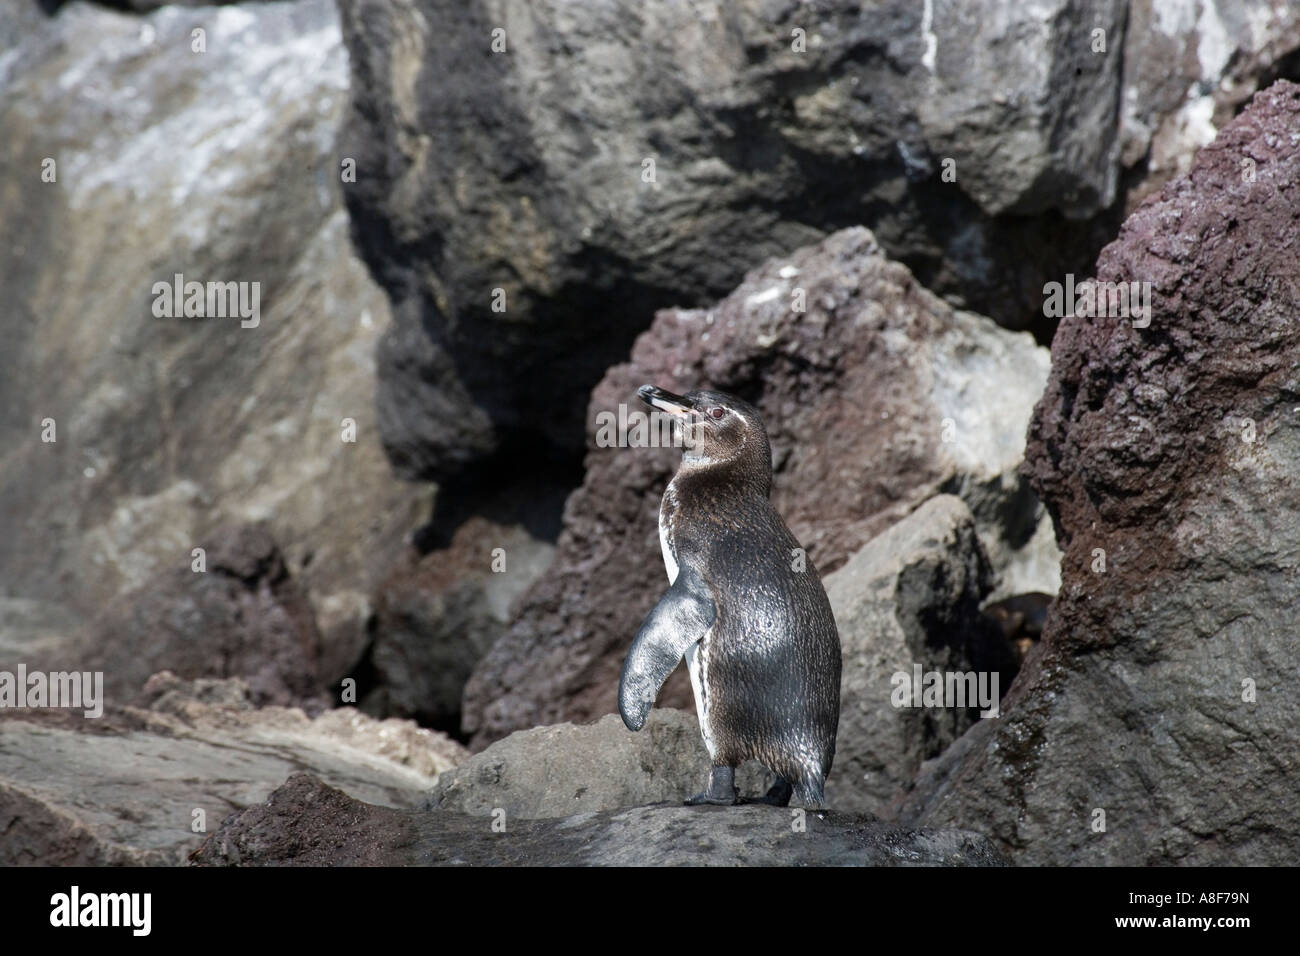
(716, 412)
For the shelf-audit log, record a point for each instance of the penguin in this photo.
(744, 608)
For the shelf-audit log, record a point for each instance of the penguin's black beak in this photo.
(665, 401)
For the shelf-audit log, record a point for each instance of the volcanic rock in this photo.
(1154, 723)
(306, 823)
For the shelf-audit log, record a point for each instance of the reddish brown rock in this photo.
(859, 393)
(1156, 722)
(244, 616)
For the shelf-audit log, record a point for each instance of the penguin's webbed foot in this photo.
(708, 799)
(721, 791)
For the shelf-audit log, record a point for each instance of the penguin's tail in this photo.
(810, 793)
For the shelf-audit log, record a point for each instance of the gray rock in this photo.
(521, 170)
(138, 6)
(910, 597)
(516, 178)
(36, 630)
(124, 789)
(1154, 724)
(18, 20)
(147, 6)
(220, 166)
(877, 398)
(1015, 87)
(306, 823)
(1188, 69)
(564, 770)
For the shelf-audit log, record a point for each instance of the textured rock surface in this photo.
(910, 596)
(1189, 66)
(306, 823)
(220, 166)
(436, 615)
(876, 398)
(242, 617)
(18, 21)
(562, 770)
(1168, 451)
(525, 171)
(123, 789)
(1161, 693)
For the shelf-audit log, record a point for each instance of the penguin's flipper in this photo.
(683, 616)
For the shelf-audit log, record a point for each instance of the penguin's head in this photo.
(717, 429)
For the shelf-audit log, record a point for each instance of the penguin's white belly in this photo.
(670, 562)
(697, 664)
